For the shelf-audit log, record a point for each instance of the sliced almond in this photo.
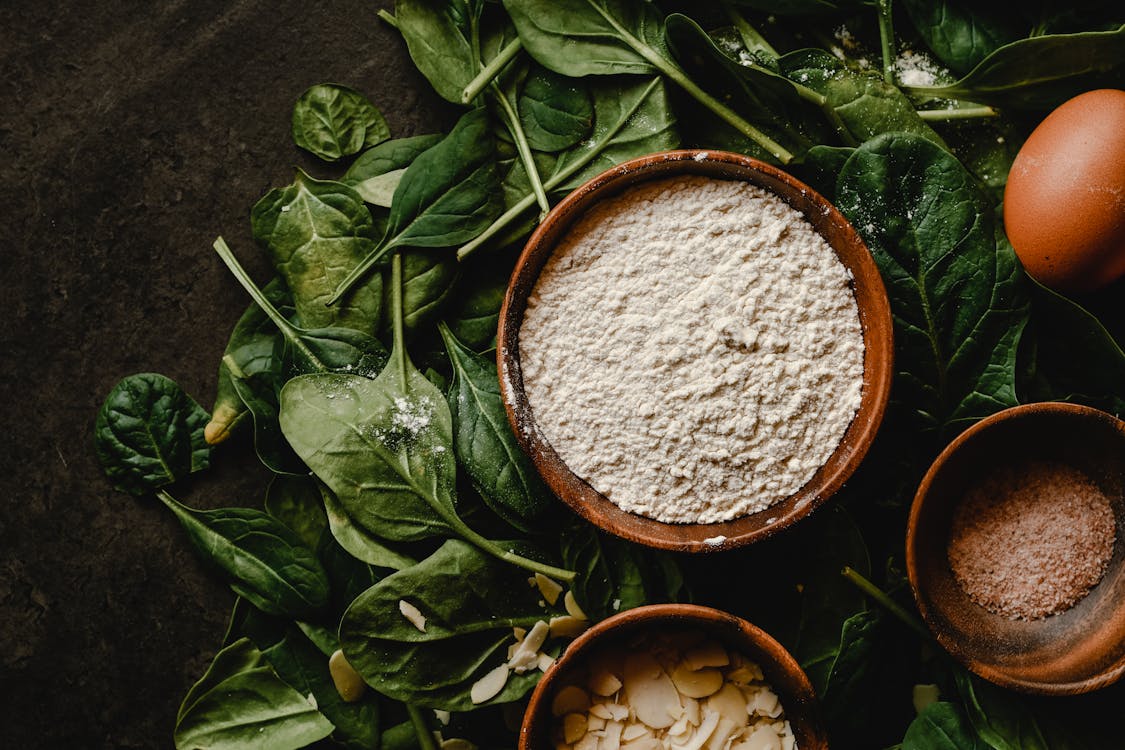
(707, 654)
(691, 711)
(456, 743)
(568, 626)
(762, 701)
(633, 731)
(349, 684)
(696, 683)
(413, 614)
(596, 723)
(489, 686)
(645, 742)
(722, 733)
(603, 682)
(548, 588)
(731, 703)
(589, 741)
(601, 710)
(570, 699)
(544, 662)
(617, 712)
(526, 655)
(700, 736)
(762, 738)
(612, 738)
(519, 633)
(572, 607)
(650, 691)
(574, 727)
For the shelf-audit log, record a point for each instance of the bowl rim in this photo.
(965, 657)
(802, 702)
(877, 331)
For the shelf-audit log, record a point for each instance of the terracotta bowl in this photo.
(781, 670)
(875, 319)
(1075, 651)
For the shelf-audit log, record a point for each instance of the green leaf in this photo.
(470, 601)
(589, 37)
(1000, 720)
(473, 314)
(333, 121)
(317, 231)
(863, 103)
(359, 543)
(1041, 72)
(484, 443)
(851, 686)
(438, 35)
(429, 279)
(149, 433)
(615, 575)
(958, 301)
(296, 502)
(960, 34)
(941, 726)
(241, 703)
(376, 172)
(264, 561)
(556, 112)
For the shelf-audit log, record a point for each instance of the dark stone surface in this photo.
(132, 134)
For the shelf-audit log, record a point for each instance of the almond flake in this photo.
(489, 686)
(572, 607)
(601, 710)
(574, 727)
(349, 684)
(612, 739)
(730, 702)
(548, 588)
(709, 654)
(650, 691)
(544, 662)
(568, 627)
(604, 682)
(570, 699)
(633, 731)
(413, 614)
(696, 683)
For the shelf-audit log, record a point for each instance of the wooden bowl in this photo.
(1075, 651)
(781, 670)
(875, 319)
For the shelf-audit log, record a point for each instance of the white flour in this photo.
(692, 349)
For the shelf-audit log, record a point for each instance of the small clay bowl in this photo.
(1075, 651)
(874, 315)
(780, 669)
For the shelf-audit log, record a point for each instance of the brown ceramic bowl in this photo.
(781, 670)
(1075, 651)
(875, 319)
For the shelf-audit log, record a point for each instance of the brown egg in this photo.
(1064, 205)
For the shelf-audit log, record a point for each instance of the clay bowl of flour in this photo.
(1015, 548)
(695, 350)
(665, 661)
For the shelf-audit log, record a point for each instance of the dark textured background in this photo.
(131, 134)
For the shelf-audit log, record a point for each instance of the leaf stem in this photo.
(886, 602)
(887, 40)
(511, 118)
(387, 17)
(957, 113)
(491, 70)
(751, 39)
(507, 555)
(423, 733)
(287, 329)
(398, 341)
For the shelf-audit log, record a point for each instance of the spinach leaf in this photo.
(429, 278)
(474, 314)
(241, 703)
(264, 561)
(605, 37)
(828, 602)
(960, 34)
(958, 301)
(359, 543)
(438, 36)
(149, 433)
(864, 104)
(376, 172)
(296, 502)
(941, 726)
(470, 601)
(448, 195)
(485, 445)
(317, 231)
(1070, 356)
(615, 575)
(1040, 72)
(1000, 720)
(556, 112)
(252, 346)
(333, 121)
(765, 99)
(850, 691)
(630, 119)
(258, 393)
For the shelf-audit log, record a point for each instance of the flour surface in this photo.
(692, 349)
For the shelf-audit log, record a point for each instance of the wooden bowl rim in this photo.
(875, 317)
(801, 705)
(965, 656)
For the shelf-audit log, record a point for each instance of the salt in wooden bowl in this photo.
(780, 669)
(1075, 651)
(875, 321)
